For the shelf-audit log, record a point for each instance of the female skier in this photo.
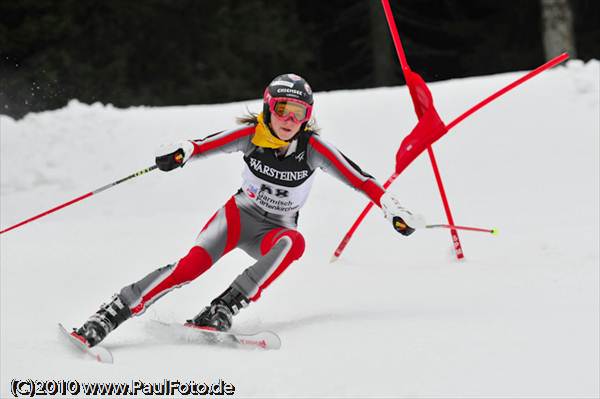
(281, 152)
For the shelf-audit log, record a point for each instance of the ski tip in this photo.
(333, 258)
(104, 356)
(99, 353)
(62, 329)
(276, 344)
(267, 340)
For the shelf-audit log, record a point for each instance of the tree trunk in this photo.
(558, 33)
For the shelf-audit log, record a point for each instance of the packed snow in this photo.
(394, 317)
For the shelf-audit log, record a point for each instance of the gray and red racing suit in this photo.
(261, 218)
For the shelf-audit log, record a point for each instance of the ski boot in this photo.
(109, 317)
(219, 314)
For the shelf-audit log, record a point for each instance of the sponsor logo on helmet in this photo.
(282, 83)
(291, 91)
(307, 88)
(293, 76)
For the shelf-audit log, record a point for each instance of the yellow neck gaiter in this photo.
(263, 136)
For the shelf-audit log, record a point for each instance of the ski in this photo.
(189, 333)
(99, 353)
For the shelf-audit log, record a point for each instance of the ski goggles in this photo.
(289, 108)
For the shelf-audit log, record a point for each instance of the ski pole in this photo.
(84, 196)
(449, 226)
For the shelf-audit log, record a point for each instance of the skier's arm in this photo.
(171, 156)
(330, 159)
(223, 142)
(324, 155)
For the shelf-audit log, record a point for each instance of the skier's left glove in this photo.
(404, 221)
(171, 156)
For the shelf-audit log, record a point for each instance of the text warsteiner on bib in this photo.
(278, 184)
(289, 171)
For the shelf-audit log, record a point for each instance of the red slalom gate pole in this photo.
(438, 178)
(436, 171)
(84, 196)
(405, 68)
(389, 16)
(357, 222)
(553, 62)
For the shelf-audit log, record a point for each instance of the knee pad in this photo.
(298, 243)
(196, 262)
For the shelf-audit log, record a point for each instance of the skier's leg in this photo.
(141, 294)
(218, 237)
(279, 247)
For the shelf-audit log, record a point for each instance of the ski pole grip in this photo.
(178, 157)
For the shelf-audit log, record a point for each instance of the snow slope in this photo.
(394, 317)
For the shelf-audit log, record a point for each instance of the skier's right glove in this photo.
(403, 221)
(171, 156)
